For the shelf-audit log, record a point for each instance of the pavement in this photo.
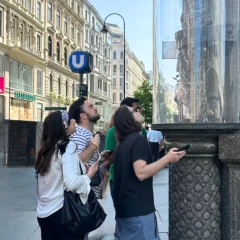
(18, 206)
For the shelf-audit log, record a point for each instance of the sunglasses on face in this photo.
(136, 110)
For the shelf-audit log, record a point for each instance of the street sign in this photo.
(81, 62)
(98, 103)
(83, 90)
(55, 108)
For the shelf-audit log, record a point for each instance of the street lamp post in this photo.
(105, 30)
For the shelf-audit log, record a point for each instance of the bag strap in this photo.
(80, 168)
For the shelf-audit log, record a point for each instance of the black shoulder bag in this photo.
(81, 218)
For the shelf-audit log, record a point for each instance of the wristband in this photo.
(94, 144)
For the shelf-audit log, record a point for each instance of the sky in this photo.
(138, 15)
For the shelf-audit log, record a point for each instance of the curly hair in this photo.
(124, 123)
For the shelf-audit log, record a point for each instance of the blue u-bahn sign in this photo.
(81, 62)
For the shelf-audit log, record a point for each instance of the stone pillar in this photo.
(195, 196)
(229, 153)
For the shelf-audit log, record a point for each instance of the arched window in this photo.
(66, 88)
(73, 91)
(65, 56)
(121, 55)
(58, 51)
(49, 46)
(51, 83)
(59, 86)
(114, 55)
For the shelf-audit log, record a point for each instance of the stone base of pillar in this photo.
(195, 182)
(229, 153)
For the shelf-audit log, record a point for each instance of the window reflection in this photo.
(196, 62)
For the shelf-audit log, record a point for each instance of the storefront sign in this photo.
(2, 85)
(24, 96)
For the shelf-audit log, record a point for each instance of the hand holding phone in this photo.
(105, 152)
(185, 147)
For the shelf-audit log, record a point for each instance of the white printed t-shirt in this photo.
(82, 137)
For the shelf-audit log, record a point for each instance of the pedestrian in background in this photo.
(56, 173)
(133, 179)
(155, 139)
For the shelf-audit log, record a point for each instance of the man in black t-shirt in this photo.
(133, 182)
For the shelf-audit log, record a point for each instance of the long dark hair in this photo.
(53, 132)
(124, 123)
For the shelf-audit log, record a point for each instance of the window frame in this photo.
(58, 48)
(65, 23)
(78, 36)
(39, 11)
(50, 46)
(59, 86)
(41, 89)
(50, 11)
(65, 56)
(66, 89)
(51, 83)
(1, 21)
(114, 55)
(39, 47)
(72, 31)
(58, 19)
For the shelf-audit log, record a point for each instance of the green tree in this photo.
(145, 96)
(165, 114)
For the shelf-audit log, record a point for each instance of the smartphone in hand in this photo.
(105, 152)
(185, 147)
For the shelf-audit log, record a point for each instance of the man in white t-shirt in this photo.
(154, 138)
(86, 115)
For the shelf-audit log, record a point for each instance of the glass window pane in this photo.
(39, 10)
(39, 82)
(39, 112)
(1, 65)
(49, 11)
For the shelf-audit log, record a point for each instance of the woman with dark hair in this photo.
(58, 171)
(133, 179)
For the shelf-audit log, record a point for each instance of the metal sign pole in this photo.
(80, 83)
(81, 78)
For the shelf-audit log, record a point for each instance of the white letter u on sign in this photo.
(74, 61)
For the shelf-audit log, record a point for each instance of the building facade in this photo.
(22, 61)
(100, 79)
(35, 46)
(135, 71)
(64, 29)
(36, 39)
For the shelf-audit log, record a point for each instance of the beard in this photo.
(93, 119)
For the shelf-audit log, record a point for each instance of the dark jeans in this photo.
(52, 229)
(155, 150)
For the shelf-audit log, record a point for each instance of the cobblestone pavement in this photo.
(18, 206)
